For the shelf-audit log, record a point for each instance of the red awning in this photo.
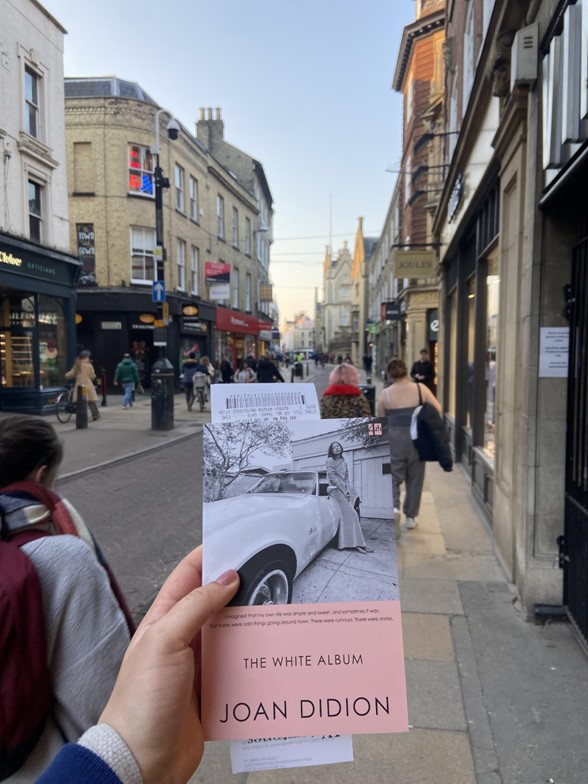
(235, 321)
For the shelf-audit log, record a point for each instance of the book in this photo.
(312, 644)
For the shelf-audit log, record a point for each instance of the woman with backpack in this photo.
(70, 658)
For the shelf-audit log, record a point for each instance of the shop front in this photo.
(471, 288)
(37, 329)
(238, 335)
(115, 321)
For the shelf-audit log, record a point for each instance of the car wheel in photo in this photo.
(267, 584)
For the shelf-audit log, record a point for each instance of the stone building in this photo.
(512, 225)
(336, 307)
(362, 250)
(37, 274)
(209, 215)
(419, 77)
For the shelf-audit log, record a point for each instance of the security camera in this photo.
(173, 129)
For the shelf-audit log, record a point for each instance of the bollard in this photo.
(162, 395)
(307, 370)
(292, 376)
(82, 409)
(103, 377)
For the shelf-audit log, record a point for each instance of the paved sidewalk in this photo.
(493, 698)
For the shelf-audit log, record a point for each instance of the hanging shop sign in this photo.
(455, 198)
(391, 311)
(217, 272)
(415, 263)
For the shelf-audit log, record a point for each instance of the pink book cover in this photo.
(312, 643)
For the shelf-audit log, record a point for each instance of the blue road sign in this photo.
(158, 294)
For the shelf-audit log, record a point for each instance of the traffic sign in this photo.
(158, 294)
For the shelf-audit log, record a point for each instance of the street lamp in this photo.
(162, 372)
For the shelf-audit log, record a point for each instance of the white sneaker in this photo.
(411, 522)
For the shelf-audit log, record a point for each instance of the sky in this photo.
(305, 87)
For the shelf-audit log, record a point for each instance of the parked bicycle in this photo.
(66, 405)
(200, 388)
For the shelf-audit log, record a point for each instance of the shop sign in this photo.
(111, 325)
(219, 291)
(276, 334)
(160, 336)
(265, 292)
(147, 318)
(217, 272)
(415, 263)
(190, 310)
(455, 198)
(35, 267)
(79, 318)
(433, 325)
(391, 310)
(192, 326)
(87, 254)
(143, 326)
(265, 334)
(235, 321)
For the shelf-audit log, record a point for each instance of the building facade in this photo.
(116, 135)
(362, 250)
(337, 308)
(37, 274)
(419, 77)
(512, 228)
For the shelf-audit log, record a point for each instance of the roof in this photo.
(369, 243)
(412, 32)
(104, 87)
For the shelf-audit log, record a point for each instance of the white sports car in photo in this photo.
(271, 533)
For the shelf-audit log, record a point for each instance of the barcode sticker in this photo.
(286, 402)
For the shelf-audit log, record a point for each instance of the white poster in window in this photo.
(553, 352)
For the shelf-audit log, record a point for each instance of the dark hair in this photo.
(27, 443)
(330, 452)
(397, 368)
(192, 355)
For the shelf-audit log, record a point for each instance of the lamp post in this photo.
(162, 372)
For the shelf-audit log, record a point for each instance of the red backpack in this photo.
(25, 682)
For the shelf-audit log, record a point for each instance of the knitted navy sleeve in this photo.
(78, 765)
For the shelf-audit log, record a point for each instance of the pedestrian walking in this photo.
(127, 374)
(343, 398)
(226, 371)
(84, 375)
(398, 402)
(267, 371)
(422, 370)
(190, 367)
(245, 375)
(84, 626)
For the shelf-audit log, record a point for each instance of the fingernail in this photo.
(227, 577)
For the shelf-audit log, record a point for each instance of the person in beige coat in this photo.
(84, 374)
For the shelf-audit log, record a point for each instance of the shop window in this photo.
(235, 284)
(142, 260)
(35, 194)
(193, 194)
(141, 170)
(18, 323)
(181, 264)
(32, 123)
(470, 353)
(194, 265)
(220, 217)
(248, 236)
(52, 342)
(248, 292)
(179, 176)
(235, 228)
(492, 299)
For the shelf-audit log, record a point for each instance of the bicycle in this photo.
(65, 405)
(200, 389)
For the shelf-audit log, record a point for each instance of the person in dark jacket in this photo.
(422, 370)
(189, 369)
(267, 371)
(226, 371)
(127, 374)
(398, 402)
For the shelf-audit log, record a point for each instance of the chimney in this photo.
(210, 128)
